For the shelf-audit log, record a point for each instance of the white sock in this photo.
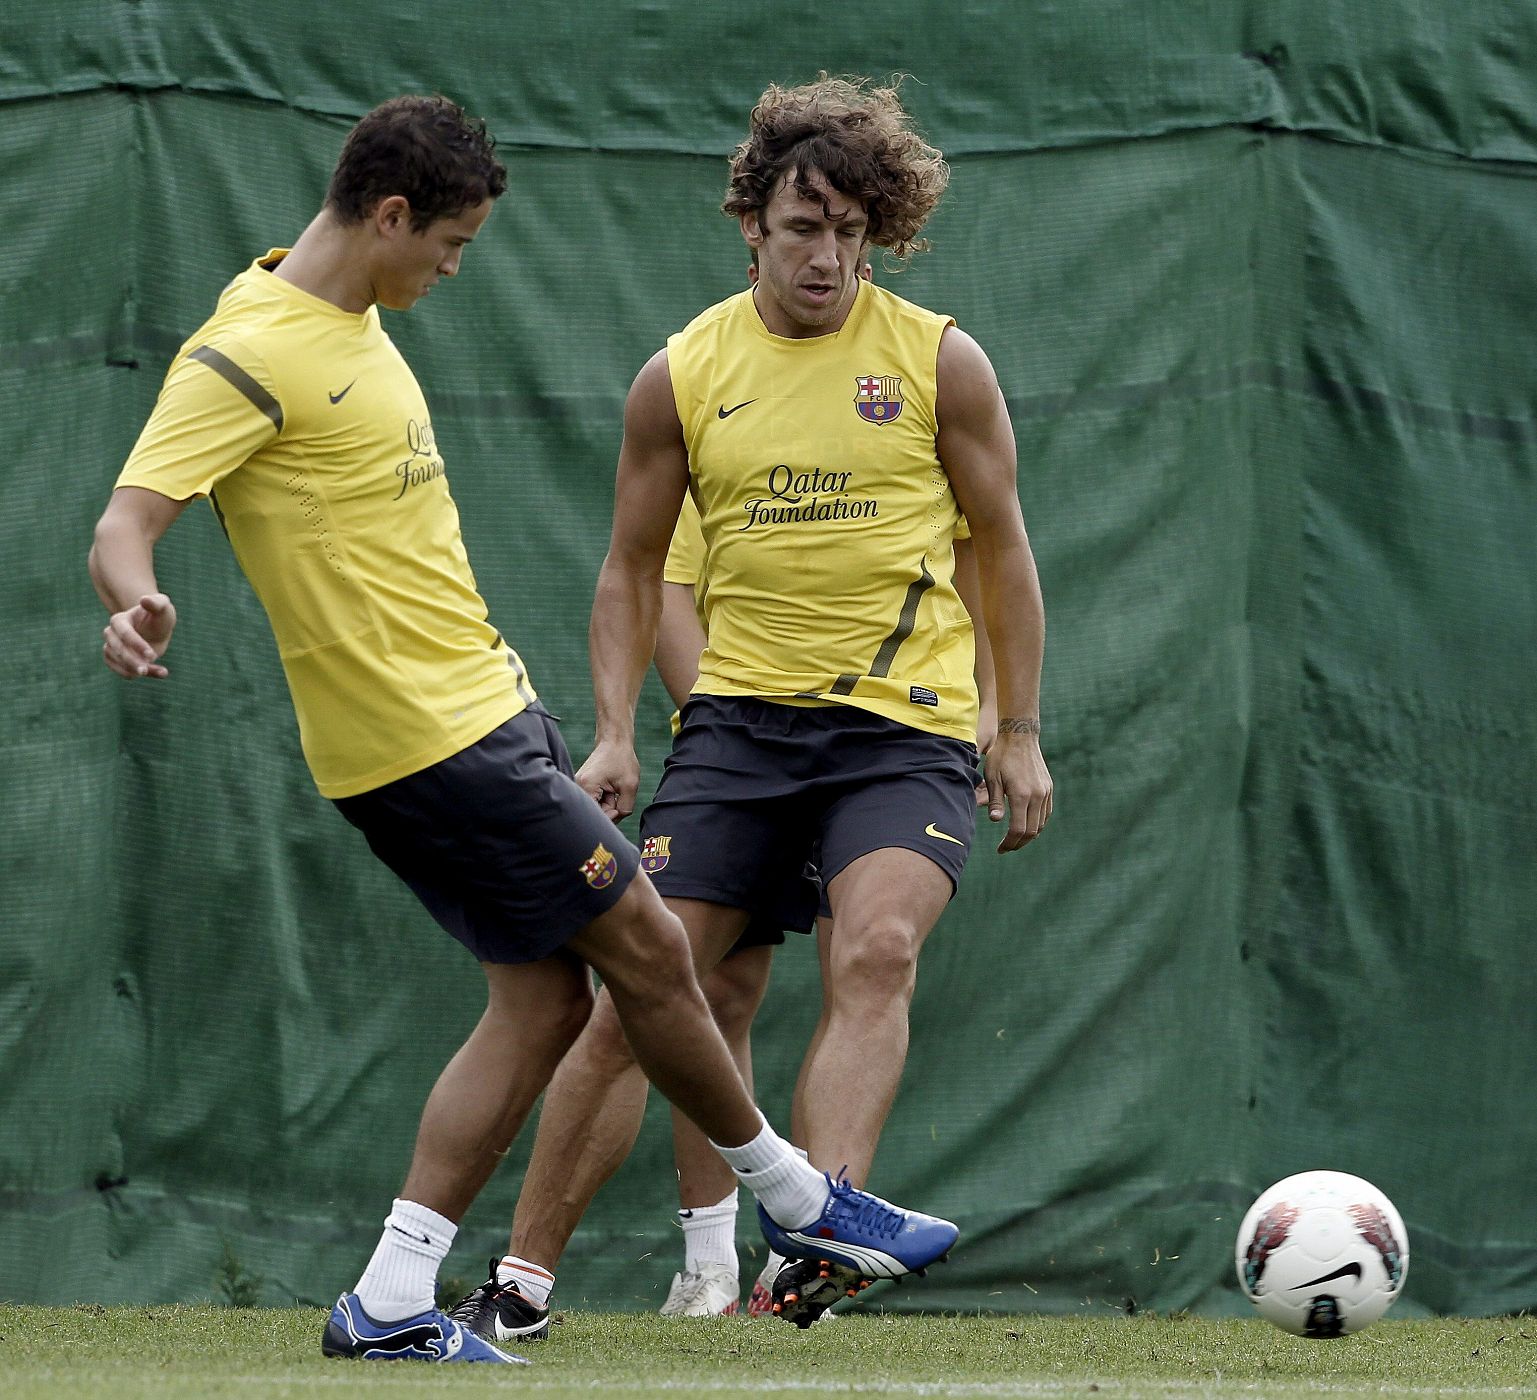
(776, 1261)
(709, 1236)
(399, 1280)
(787, 1186)
(530, 1280)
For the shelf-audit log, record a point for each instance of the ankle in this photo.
(534, 1283)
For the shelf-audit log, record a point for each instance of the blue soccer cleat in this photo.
(872, 1237)
(429, 1336)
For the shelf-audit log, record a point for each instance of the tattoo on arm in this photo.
(1019, 726)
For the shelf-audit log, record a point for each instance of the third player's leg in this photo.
(798, 1129)
(651, 1001)
(884, 905)
(734, 990)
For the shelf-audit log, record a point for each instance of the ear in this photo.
(752, 229)
(392, 215)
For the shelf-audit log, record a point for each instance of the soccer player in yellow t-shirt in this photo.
(709, 1282)
(294, 413)
(831, 435)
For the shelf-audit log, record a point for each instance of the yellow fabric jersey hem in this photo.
(416, 763)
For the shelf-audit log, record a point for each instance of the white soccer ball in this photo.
(1322, 1254)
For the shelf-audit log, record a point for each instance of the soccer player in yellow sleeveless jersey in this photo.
(293, 412)
(831, 435)
(830, 554)
(709, 1282)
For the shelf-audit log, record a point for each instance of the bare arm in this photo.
(969, 586)
(976, 446)
(122, 565)
(679, 640)
(648, 490)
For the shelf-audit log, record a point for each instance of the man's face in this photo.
(408, 263)
(809, 255)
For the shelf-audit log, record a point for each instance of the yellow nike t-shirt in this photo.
(828, 521)
(310, 434)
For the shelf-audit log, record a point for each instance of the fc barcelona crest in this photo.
(655, 851)
(600, 867)
(879, 399)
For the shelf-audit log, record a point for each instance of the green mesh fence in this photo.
(1258, 281)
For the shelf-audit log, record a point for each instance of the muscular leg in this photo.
(799, 1134)
(734, 990)
(884, 905)
(597, 1098)
(534, 1011)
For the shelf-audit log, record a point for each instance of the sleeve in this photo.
(215, 409)
(685, 555)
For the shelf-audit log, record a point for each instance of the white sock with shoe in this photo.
(400, 1279)
(787, 1186)
(709, 1235)
(530, 1280)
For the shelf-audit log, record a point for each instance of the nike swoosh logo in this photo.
(337, 398)
(934, 831)
(1351, 1270)
(725, 412)
(424, 1239)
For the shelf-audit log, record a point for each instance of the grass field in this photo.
(173, 1352)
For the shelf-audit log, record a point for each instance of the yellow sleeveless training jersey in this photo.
(309, 432)
(828, 520)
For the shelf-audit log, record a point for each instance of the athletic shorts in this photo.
(755, 791)
(507, 853)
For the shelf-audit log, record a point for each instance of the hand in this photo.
(1016, 775)
(611, 777)
(135, 639)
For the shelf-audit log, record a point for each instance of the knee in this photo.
(653, 970)
(657, 955)
(604, 1042)
(878, 962)
(733, 995)
(570, 1018)
(735, 991)
(550, 1025)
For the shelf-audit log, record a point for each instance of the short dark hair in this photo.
(424, 149)
(856, 135)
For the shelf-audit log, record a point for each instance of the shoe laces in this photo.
(487, 1292)
(692, 1288)
(869, 1213)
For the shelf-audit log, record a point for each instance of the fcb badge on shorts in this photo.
(600, 867)
(879, 399)
(654, 853)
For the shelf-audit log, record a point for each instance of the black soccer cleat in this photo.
(805, 1289)
(497, 1313)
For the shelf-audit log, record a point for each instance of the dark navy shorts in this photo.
(508, 854)
(755, 791)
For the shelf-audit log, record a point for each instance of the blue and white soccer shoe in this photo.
(429, 1336)
(872, 1237)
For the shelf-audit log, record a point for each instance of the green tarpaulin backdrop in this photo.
(1259, 283)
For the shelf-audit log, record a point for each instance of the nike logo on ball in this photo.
(725, 412)
(934, 831)
(1351, 1270)
(337, 398)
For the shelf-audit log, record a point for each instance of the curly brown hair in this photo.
(423, 148)
(859, 138)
